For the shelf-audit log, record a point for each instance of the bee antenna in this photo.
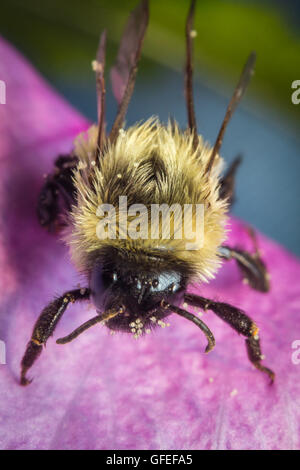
(93, 321)
(123, 74)
(99, 66)
(189, 35)
(239, 92)
(189, 316)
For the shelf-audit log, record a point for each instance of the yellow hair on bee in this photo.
(150, 163)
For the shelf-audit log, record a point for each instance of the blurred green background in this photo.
(60, 38)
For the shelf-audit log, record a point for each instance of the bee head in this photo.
(139, 290)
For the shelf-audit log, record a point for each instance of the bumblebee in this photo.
(135, 283)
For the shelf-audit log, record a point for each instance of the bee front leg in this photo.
(45, 327)
(240, 322)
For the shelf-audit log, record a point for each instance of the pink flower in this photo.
(113, 392)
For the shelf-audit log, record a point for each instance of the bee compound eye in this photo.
(101, 279)
(167, 281)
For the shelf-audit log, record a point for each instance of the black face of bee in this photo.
(141, 293)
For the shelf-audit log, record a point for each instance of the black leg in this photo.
(58, 194)
(189, 74)
(251, 265)
(88, 324)
(45, 327)
(189, 316)
(240, 322)
(236, 98)
(228, 181)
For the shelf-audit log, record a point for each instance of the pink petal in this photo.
(113, 392)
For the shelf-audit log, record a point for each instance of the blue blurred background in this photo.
(60, 38)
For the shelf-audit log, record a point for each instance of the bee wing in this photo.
(124, 71)
(130, 46)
